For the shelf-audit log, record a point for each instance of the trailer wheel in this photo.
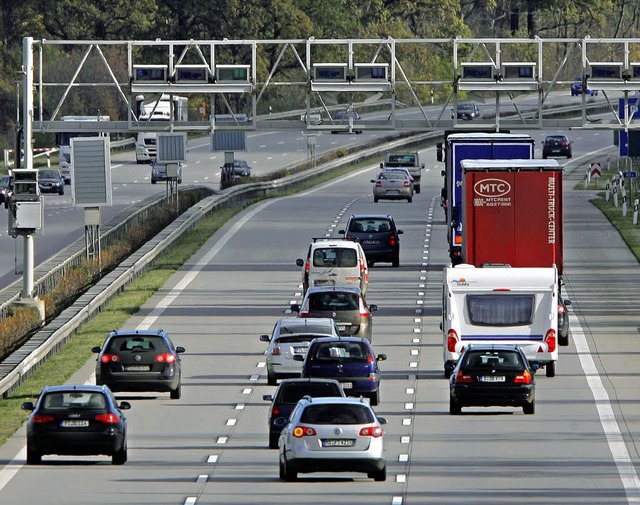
(550, 369)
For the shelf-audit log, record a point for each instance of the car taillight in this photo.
(371, 431)
(452, 340)
(165, 358)
(565, 144)
(110, 358)
(561, 310)
(307, 267)
(108, 418)
(275, 412)
(392, 240)
(303, 431)
(42, 418)
(406, 184)
(275, 351)
(524, 378)
(550, 340)
(364, 312)
(461, 377)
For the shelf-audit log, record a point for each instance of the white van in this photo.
(334, 262)
(146, 148)
(502, 305)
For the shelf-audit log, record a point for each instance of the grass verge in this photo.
(60, 367)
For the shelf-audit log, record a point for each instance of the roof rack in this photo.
(328, 239)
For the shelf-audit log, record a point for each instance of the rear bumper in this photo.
(76, 444)
(333, 464)
(516, 396)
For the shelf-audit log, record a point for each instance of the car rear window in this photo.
(289, 339)
(136, 343)
(403, 159)
(308, 328)
(340, 351)
(370, 226)
(334, 301)
(494, 359)
(337, 414)
(500, 310)
(291, 393)
(335, 257)
(392, 174)
(74, 399)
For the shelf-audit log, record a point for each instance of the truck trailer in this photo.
(472, 146)
(501, 305)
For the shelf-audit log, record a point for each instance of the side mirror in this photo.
(264, 338)
(373, 180)
(27, 406)
(295, 307)
(95, 349)
(440, 326)
(382, 420)
(373, 308)
(443, 173)
(567, 302)
(382, 165)
(439, 149)
(180, 349)
(381, 357)
(267, 398)
(300, 262)
(400, 232)
(281, 421)
(341, 232)
(124, 406)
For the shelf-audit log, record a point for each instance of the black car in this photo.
(6, 189)
(556, 145)
(349, 360)
(467, 111)
(139, 360)
(563, 322)
(76, 421)
(287, 395)
(241, 168)
(378, 235)
(346, 117)
(50, 181)
(492, 375)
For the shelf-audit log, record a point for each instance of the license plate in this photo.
(392, 192)
(75, 423)
(556, 150)
(300, 350)
(322, 282)
(492, 378)
(341, 327)
(370, 242)
(346, 385)
(338, 442)
(137, 368)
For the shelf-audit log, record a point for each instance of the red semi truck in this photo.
(512, 213)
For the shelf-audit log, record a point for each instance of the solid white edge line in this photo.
(617, 446)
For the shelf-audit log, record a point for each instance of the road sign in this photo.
(596, 170)
(630, 175)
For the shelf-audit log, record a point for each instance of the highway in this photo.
(210, 447)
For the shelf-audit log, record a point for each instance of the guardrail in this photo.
(21, 364)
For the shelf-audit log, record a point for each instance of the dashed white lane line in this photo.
(212, 459)
(191, 500)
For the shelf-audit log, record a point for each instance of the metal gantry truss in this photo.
(316, 77)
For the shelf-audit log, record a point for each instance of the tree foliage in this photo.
(285, 19)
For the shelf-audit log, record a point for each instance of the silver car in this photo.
(291, 336)
(332, 435)
(392, 185)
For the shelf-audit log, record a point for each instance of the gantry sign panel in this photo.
(328, 84)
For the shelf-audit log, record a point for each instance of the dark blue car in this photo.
(349, 360)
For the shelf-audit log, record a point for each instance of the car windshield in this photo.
(337, 414)
(368, 225)
(74, 399)
(493, 359)
(465, 106)
(136, 343)
(333, 301)
(340, 351)
(291, 393)
(49, 174)
(500, 310)
(402, 159)
(335, 257)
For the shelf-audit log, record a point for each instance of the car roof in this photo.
(142, 333)
(340, 339)
(297, 322)
(75, 387)
(333, 289)
(371, 216)
(335, 242)
(492, 347)
(306, 380)
(349, 400)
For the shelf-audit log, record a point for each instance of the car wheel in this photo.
(286, 473)
(272, 380)
(569, 155)
(529, 408)
(544, 156)
(563, 340)
(120, 457)
(33, 458)
(454, 407)
(375, 199)
(273, 440)
(410, 199)
(374, 398)
(396, 262)
(550, 369)
(417, 189)
(370, 263)
(179, 181)
(379, 476)
(61, 191)
(176, 393)
(153, 181)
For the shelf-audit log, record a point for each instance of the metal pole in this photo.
(27, 96)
